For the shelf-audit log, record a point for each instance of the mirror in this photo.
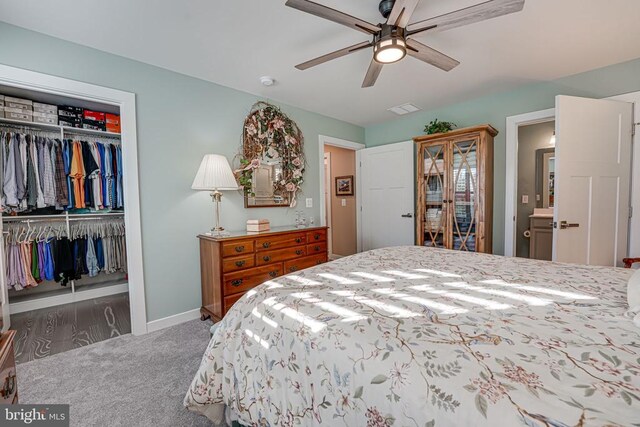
(545, 177)
(271, 159)
(265, 189)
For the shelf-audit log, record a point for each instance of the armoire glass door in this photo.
(464, 188)
(435, 185)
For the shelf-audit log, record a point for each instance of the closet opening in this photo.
(65, 262)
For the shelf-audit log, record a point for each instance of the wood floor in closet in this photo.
(48, 331)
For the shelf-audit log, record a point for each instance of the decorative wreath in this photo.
(270, 134)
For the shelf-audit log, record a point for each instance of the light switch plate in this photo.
(309, 202)
(344, 202)
(525, 199)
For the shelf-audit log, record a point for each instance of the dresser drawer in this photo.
(279, 242)
(8, 382)
(317, 236)
(263, 258)
(229, 301)
(243, 280)
(238, 263)
(305, 262)
(317, 248)
(236, 248)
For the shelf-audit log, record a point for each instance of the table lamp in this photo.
(215, 175)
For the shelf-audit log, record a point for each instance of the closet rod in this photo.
(61, 217)
(91, 133)
(29, 128)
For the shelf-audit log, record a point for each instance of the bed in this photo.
(413, 336)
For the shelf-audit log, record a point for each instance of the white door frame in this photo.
(126, 101)
(513, 122)
(349, 145)
(511, 178)
(327, 199)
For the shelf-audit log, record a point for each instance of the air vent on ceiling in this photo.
(401, 110)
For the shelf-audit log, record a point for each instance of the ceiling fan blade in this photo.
(333, 55)
(430, 55)
(402, 12)
(333, 15)
(479, 12)
(372, 74)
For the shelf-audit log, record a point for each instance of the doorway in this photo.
(535, 190)
(339, 198)
(106, 305)
(586, 169)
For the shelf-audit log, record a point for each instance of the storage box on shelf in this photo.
(230, 266)
(112, 123)
(19, 114)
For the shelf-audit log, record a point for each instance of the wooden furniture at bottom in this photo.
(232, 265)
(8, 382)
(628, 262)
(455, 189)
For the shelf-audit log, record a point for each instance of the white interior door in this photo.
(593, 168)
(387, 195)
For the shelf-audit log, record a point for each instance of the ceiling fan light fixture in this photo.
(390, 50)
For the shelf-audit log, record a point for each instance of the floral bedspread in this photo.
(412, 336)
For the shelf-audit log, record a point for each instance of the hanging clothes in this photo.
(45, 253)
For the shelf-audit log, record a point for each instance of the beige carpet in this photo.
(126, 381)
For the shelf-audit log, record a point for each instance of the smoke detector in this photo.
(267, 81)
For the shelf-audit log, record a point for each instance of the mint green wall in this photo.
(179, 120)
(494, 109)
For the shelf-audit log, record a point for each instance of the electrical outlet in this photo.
(525, 199)
(344, 202)
(309, 202)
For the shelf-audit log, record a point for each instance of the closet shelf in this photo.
(61, 216)
(65, 129)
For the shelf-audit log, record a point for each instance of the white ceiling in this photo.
(234, 42)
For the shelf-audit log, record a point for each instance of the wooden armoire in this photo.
(454, 185)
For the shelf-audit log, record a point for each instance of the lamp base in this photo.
(219, 232)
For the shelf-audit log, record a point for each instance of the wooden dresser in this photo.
(8, 383)
(231, 265)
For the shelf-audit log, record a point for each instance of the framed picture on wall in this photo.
(344, 185)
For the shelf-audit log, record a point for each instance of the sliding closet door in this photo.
(592, 180)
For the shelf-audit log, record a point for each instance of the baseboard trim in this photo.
(176, 319)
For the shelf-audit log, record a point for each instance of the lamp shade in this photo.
(214, 174)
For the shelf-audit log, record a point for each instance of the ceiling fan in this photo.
(393, 40)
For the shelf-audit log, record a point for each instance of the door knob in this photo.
(565, 224)
(409, 215)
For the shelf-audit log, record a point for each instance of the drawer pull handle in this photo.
(239, 248)
(273, 274)
(266, 258)
(317, 237)
(236, 282)
(266, 245)
(9, 386)
(293, 268)
(299, 240)
(316, 248)
(299, 252)
(240, 263)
